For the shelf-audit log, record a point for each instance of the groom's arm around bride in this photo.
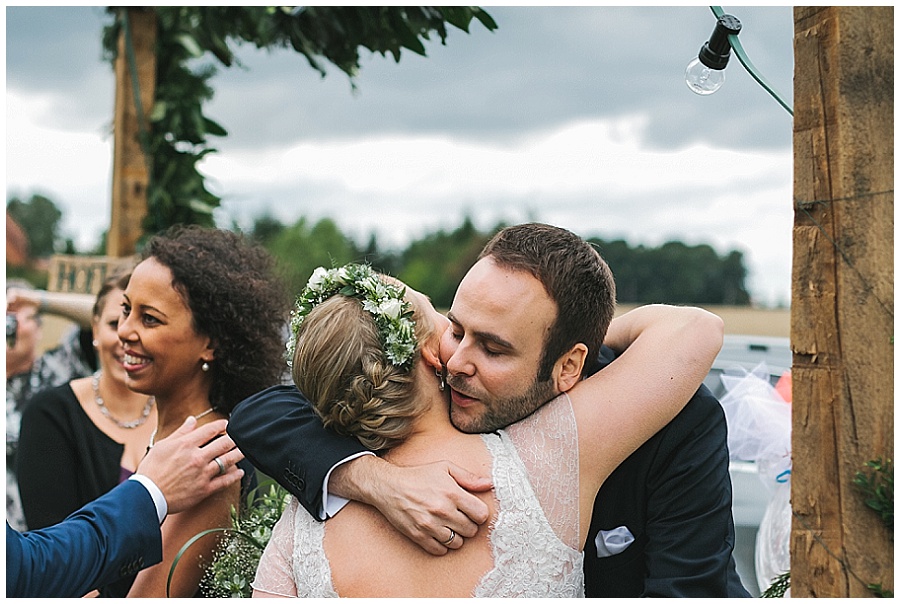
(672, 496)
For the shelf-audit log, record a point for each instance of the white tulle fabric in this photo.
(534, 537)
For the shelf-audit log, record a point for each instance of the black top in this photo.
(64, 459)
(674, 495)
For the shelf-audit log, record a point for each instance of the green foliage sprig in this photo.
(179, 130)
(778, 587)
(878, 488)
(235, 560)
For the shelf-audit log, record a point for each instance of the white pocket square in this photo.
(612, 542)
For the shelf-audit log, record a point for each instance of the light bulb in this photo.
(703, 80)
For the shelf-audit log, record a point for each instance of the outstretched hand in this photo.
(184, 467)
(425, 502)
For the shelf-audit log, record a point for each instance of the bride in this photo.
(365, 352)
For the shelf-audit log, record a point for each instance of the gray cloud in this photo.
(542, 67)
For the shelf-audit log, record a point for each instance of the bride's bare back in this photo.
(516, 553)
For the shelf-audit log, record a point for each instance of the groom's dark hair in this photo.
(575, 277)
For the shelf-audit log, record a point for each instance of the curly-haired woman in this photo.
(202, 328)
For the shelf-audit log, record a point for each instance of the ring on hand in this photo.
(452, 537)
(220, 464)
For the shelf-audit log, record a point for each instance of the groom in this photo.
(661, 524)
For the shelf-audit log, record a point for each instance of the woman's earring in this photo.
(205, 366)
(443, 376)
(95, 343)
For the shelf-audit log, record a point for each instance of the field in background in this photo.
(738, 320)
(746, 320)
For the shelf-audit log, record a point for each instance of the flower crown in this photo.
(384, 301)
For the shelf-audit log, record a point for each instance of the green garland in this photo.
(877, 487)
(383, 300)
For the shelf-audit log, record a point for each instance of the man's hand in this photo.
(425, 503)
(186, 471)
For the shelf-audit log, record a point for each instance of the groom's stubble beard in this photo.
(499, 412)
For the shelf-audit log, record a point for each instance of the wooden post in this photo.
(131, 175)
(842, 320)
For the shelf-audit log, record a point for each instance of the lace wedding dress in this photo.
(534, 536)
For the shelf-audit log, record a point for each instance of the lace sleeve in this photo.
(547, 444)
(275, 572)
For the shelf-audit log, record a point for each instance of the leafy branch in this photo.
(778, 587)
(877, 486)
(179, 130)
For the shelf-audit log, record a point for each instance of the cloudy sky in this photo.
(575, 116)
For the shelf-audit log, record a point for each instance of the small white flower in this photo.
(392, 308)
(370, 307)
(317, 278)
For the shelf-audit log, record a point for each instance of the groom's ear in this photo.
(567, 371)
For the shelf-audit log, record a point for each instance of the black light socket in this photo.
(716, 52)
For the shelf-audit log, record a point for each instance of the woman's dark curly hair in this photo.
(236, 300)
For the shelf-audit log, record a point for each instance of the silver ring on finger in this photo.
(221, 466)
(452, 537)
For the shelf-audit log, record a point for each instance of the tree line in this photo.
(673, 273)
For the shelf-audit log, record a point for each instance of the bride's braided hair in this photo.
(340, 365)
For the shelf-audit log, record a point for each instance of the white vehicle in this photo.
(739, 356)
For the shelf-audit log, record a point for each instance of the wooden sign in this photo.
(83, 274)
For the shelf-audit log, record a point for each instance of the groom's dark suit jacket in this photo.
(673, 494)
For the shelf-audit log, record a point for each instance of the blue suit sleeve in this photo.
(112, 537)
(281, 435)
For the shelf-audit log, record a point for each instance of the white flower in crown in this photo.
(317, 278)
(392, 308)
(342, 275)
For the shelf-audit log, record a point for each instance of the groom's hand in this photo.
(423, 502)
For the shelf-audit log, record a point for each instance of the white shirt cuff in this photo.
(335, 503)
(159, 500)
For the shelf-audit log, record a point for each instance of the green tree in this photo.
(266, 228)
(179, 131)
(675, 273)
(300, 248)
(437, 263)
(39, 218)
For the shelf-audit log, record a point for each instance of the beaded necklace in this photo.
(129, 425)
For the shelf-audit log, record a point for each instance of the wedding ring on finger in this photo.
(221, 466)
(452, 537)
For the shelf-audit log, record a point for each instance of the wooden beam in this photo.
(131, 175)
(842, 320)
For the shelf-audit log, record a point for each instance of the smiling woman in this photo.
(202, 323)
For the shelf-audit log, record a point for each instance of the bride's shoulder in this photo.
(556, 413)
